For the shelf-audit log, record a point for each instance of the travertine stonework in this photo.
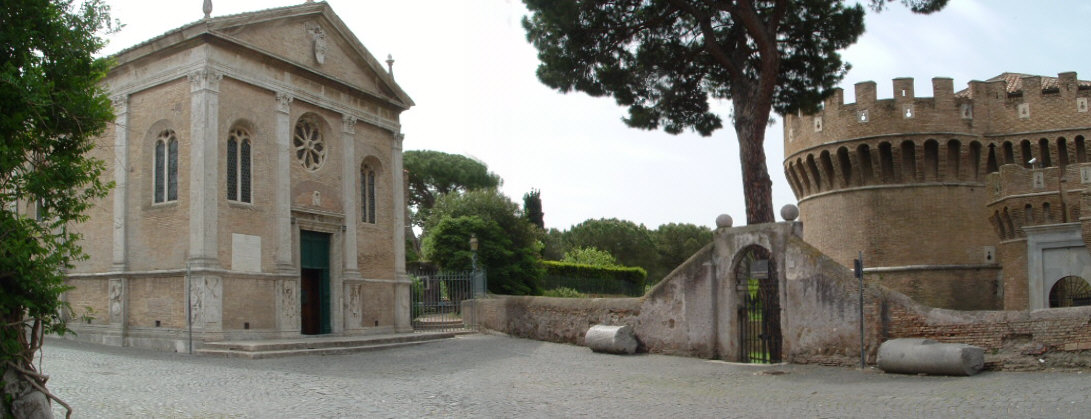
(209, 264)
(937, 191)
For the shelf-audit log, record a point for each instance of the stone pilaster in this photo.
(203, 170)
(401, 286)
(349, 174)
(283, 204)
(121, 181)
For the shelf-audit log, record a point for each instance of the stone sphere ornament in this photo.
(789, 212)
(723, 221)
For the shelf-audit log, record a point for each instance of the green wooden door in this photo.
(314, 255)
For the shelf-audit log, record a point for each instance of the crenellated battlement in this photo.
(1022, 197)
(1009, 103)
(951, 137)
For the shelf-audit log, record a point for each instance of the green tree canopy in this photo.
(590, 256)
(435, 173)
(508, 243)
(629, 242)
(532, 206)
(675, 243)
(51, 109)
(667, 59)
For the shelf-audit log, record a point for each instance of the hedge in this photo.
(590, 279)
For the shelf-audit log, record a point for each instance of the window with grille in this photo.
(367, 194)
(238, 166)
(166, 167)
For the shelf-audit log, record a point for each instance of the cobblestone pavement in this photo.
(496, 376)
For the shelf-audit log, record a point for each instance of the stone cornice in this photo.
(280, 87)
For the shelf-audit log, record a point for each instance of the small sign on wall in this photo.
(245, 253)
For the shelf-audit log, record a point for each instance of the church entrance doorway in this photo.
(314, 278)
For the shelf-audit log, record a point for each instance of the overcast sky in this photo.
(470, 70)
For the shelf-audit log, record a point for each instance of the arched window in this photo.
(1009, 153)
(238, 166)
(827, 168)
(954, 158)
(846, 165)
(863, 154)
(1062, 152)
(1081, 150)
(886, 162)
(367, 193)
(1024, 146)
(909, 162)
(931, 160)
(814, 173)
(1043, 148)
(1028, 214)
(975, 159)
(991, 165)
(1070, 291)
(166, 167)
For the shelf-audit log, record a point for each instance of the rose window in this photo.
(310, 148)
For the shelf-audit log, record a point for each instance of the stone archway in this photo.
(1070, 291)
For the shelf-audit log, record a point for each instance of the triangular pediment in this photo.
(309, 36)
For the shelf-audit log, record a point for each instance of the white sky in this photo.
(468, 67)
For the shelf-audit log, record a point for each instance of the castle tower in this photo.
(904, 180)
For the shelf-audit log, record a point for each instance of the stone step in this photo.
(336, 350)
(275, 348)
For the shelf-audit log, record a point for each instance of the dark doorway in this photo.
(759, 307)
(314, 283)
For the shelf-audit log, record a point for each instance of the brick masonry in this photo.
(942, 181)
(693, 311)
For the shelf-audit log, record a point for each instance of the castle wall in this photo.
(908, 181)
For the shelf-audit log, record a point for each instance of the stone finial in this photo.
(723, 221)
(789, 212)
(390, 64)
(207, 8)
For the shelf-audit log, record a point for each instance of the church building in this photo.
(259, 189)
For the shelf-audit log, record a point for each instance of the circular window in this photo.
(310, 147)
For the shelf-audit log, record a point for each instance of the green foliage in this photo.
(563, 292)
(532, 206)
(512, 269)
(589, 256)
(667, 60)
(631, 244)
(553, 245)
(675, 243)
(51, 109)
(612, 280)
(434, 173)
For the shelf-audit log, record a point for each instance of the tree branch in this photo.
(704, 21)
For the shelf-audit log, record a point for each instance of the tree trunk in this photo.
(26, 401)
(750, 126)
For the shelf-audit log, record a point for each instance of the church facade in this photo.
(259, 189)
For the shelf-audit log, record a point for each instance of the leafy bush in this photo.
(617, 280)
(589, 256)
(563, 292)
(511, 269)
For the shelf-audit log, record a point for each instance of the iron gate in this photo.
(759, 307)
(438, 297)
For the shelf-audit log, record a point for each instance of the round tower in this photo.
(904, 179)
